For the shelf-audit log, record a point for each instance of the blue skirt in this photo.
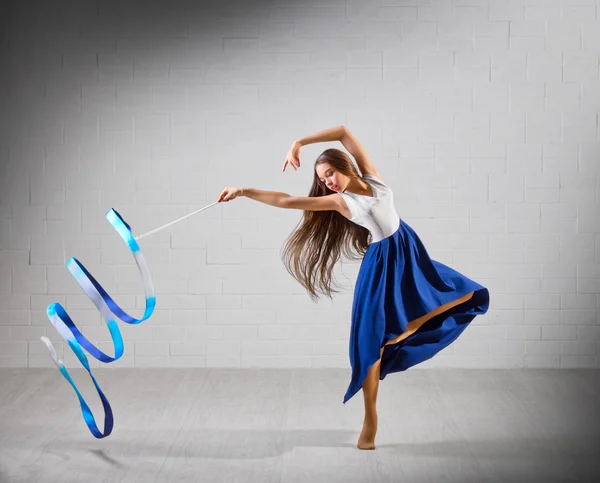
(396, 284)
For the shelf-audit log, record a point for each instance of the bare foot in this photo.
(366, 439)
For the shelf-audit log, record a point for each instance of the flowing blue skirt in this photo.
(397, 283)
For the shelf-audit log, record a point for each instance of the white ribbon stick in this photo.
(173, 222)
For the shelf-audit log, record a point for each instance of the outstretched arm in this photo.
(342, 134)
(283, 200)
(273, 198)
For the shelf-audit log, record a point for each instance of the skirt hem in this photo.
(403, 354)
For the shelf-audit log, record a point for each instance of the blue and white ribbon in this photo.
(107, 307)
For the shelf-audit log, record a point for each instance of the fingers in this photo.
(287, 161)
(293, 160)
(292, 157)
(228, 194)
(294, 165)
(222, 196)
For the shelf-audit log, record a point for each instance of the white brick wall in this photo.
(483, 115)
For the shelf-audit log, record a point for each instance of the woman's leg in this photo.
(371, 383)
(414, 325)
(370, 386)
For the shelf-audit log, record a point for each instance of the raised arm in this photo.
(342, 134)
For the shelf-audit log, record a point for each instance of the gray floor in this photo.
(263, 425)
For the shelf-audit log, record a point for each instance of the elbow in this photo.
(285, 202)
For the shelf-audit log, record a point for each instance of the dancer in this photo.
(406, 307)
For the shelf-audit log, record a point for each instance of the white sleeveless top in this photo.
(377, 213)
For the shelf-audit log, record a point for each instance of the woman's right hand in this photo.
(229, 193)
(293, 156)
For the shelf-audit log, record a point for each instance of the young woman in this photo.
(406, 307)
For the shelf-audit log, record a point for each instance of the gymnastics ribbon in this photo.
(107, 307)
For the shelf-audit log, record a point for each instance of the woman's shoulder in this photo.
(375, 178)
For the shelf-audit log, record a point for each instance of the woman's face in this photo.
(329, 176)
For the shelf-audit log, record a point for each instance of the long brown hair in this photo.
(313, 249)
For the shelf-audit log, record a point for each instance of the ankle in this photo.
(370, 419)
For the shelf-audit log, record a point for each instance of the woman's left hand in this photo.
(293, 156)
(229, 193)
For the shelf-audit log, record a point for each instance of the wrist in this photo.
(299, 142)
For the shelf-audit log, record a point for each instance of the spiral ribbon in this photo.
(107, 307)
